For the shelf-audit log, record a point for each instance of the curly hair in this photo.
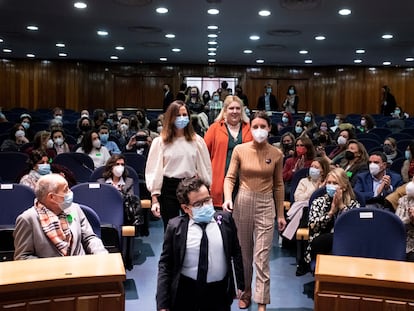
(107, 173)
(186, 186)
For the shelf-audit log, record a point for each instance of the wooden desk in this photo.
(91, 282)
(351, 283)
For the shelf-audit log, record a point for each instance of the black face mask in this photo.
(85, 128)
(349, 155)
(288, 146)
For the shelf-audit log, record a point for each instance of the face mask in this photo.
(215, 98)
(260, 135)
(307, 119)
(336, 122)
(285, 120)
(96, 143)
(59, 118)
(409, 189)
(397, 111)
(59, 141)
(26, 125)
(159, 129)
(181, 122)
(43, 169)
(204, 213)
(374, 169)
(407, 154)
(49, 143)
(314, 173)
(298, 129)
(323, 128)
(363, 122)
(301, 150)
(84, 116)
(118, 170)
(85, 128)
(269, 90)
(288, 146)
(349, 155)
(341, 140)
(19, 133)
(67, 200)
(331, 190)
(388, 149)
(291, 92)
(193, 95)
(123, 127)
(104, 138)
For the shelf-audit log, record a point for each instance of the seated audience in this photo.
(287, 144)
(407, 170)
(85, 125)
(398, 120)
(299, 129)
(17, 139)
(390, 149)
(42, 142)
(26, 120)
(54, 226)
(108, 144)
(355, 160)
(377, 183)
(405, 211)
(38, 165)
(59, 143)
(91, 145)
(338, 153)
(310, 124)
(367, 123)
(116, 175)
(139, 143)
(286, 121)
(324, 210)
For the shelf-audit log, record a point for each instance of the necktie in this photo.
(203, 256)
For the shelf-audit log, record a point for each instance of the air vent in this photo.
(144, 29)
(133, 2)
(153, 44)
(271, 47)
(300, 4)
(284, 32)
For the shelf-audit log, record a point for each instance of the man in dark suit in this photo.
(267, 101)
(375, 185)
(181, 283)
(168, 96)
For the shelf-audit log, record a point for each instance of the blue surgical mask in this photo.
(67, 200)
(104, 138)
(43, 169)
(291, 92)
(298, 129)
(336, 122)
(181, 122)
(216, 98)
(330, 190)
(314, 173)
(397, 111)
(285, 120)
(269, 90)
(204, 213)
(26, 125)
(407, 154)
(308, 119)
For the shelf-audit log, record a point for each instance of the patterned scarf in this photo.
(56, 228)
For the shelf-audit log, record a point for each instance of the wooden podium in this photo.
(90, 282)
(351, 283)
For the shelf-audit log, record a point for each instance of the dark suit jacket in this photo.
(273, 103)
(168, 99)
(365, 188)
(172, 256)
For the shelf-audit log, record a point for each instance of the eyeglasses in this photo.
(200, 203)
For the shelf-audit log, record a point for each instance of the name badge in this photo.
(98, 154)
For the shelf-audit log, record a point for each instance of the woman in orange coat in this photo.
(230, 128)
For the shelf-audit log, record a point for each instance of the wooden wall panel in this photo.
(78, 85)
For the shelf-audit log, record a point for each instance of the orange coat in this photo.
(217, 139)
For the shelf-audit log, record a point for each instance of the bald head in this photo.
(49, 183)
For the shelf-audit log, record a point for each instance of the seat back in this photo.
(369, 232)
(93, 219)
(79, 163)
(12, 164)
(15, 199)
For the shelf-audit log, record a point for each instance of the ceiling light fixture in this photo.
(212, 27)
(409, 59)
(212, 54)
(114, 57)
(63, 54)
(80, 5)
(360, 51)
(119, 48)
(264, 13)
(163, 59)
(357, 61)
(320, 38)
(1, 40)
(212, 49)
(260, 61)
(247, 51)
(212, 43)
(32, 28)
(386, 63)
(161, 10)
(303, 52)
(102, 33)
(7, 50)
(387, 36)
(211, 60)
(213, 11)
(308, 61)
(30, 55)
(254, 37)
(176, 50)
(212, 35)
(170, 35)
(60, 45)
(344, 12)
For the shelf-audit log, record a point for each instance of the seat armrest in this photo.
(128, 230)
(302, 234)
(145, 203)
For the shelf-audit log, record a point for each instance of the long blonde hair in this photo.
(343, 181)
(227, 101)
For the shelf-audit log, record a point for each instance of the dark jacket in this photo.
(272, 100)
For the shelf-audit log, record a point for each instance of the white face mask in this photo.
(96, 143)
(123, 127)
(341, 140)
(260, 135)
(59, 141)
(118, 170)
(409, 189)
(314, 173)
(49, 143)
(374, 169)
(19, 133)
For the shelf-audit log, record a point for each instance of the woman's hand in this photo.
(281, 223)
(155, 209)
(228, 206)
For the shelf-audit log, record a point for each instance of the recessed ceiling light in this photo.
(360, 51)
(254, 37)
(357, 61)
(260, 61)
(170, 35)
(102, 33)
(308, 61)
(114, 57)
(1, 40)
(340, 69)
(32, 28)
(211, 60)
(247, 51)
(80, 5)
(386, 63)
(213, 11)
(60, 45)
(212, 43)
(119, 48)
(344, 12)
(264, 13)
(303, 52)
(387, 36)
(409, 59)
(30, 55)
(63, 54)
(176, 50)
(163, 59)
(372, 69)
(161, 10)
(212, 49)
(212, 35)
(212, 27)
(320, 38)
(212, 54)
(7, 50)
